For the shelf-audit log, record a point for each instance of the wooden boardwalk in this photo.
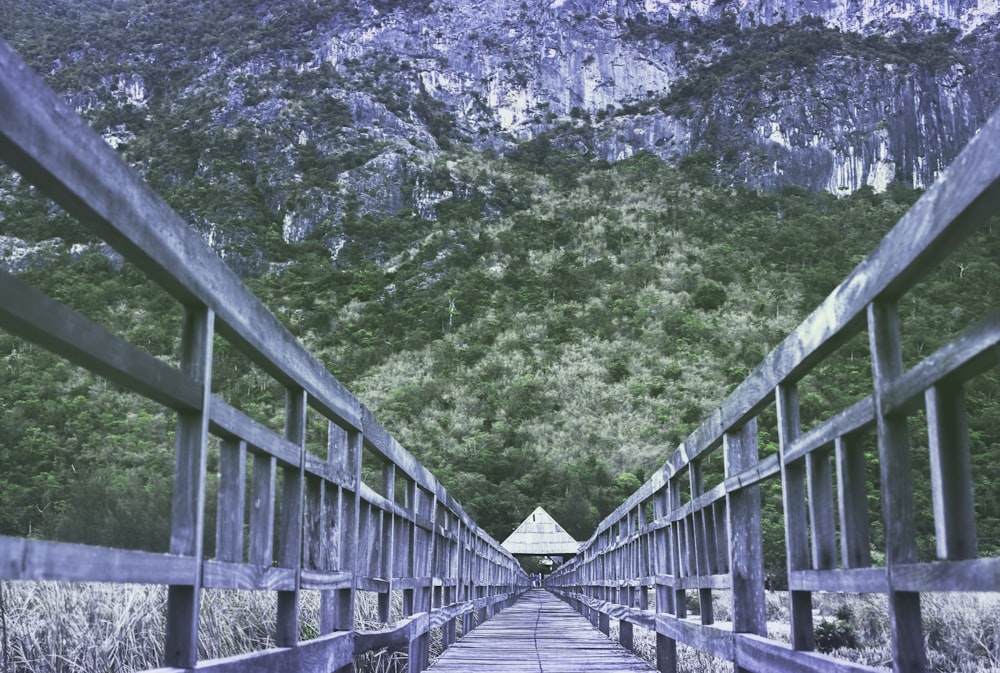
(290, 519)
(538, 634)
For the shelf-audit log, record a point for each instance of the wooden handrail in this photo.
(714, 541)
(335, 534)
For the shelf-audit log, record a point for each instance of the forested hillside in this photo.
(550, 352)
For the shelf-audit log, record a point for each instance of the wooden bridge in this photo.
(683, 534)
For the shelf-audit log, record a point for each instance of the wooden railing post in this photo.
(465, 574)
(419, 600)
(668, 568)
(188, 513)
(290, 532)
(702, 533)
(746, 548)
(793, 478)
(897, 489)
(344, 452)
(263, 489)
(388, 542)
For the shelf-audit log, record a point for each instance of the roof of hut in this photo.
(540, 535)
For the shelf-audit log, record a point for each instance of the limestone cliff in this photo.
(281, 119)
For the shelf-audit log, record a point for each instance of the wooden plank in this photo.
(854, 580)
(971, 353)
(262, 495)
(819, 477)
(30, 314)
(315, 527)
(221, 575)
(382, 443)
(970, 575)
(340, 612)
(755, 653)
(703, 582)
(229, 422)
(231, 500)
(372, 497)
(332, 474)
(26, 559)
(325, 653)
(852, 500)
(373, 584)
(951, 472)
(854, 418)
(765, 469)
(538, 633)
(712, 639)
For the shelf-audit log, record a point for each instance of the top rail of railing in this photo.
(324, 529)
(679, 533)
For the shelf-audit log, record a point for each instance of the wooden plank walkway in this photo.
(538, 634)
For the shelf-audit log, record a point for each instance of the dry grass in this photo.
(52, 627)
(962, 631)
(60, 627)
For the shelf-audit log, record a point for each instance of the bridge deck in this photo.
(538, 634)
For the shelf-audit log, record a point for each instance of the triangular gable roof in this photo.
(540, 535)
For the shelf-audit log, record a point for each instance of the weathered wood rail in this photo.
(679, 534)
(335, 535)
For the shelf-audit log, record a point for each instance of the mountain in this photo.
(265, 123)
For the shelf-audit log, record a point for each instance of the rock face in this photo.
(275, 122)
(867, 92)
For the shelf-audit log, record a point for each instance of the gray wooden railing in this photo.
(711, 538)
(335, 535)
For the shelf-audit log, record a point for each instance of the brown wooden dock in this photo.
(538, 634)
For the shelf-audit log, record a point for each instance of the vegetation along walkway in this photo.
(538, 634)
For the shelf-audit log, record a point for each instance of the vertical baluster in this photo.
(951, 472)
(188, 511)
(897, 489)
(290, 532)
(793, 480)
(852, 495)
(344, 453)
(746, 548)
(231, 500)
(821, 521)
(388, 545)
(263, 490)
(668, 597)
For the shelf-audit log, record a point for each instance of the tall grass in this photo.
(60, 627)
(961, 631)
(55, 627)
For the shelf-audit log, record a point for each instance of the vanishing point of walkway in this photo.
(538, 634)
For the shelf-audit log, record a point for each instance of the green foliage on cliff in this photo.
(770, 56)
